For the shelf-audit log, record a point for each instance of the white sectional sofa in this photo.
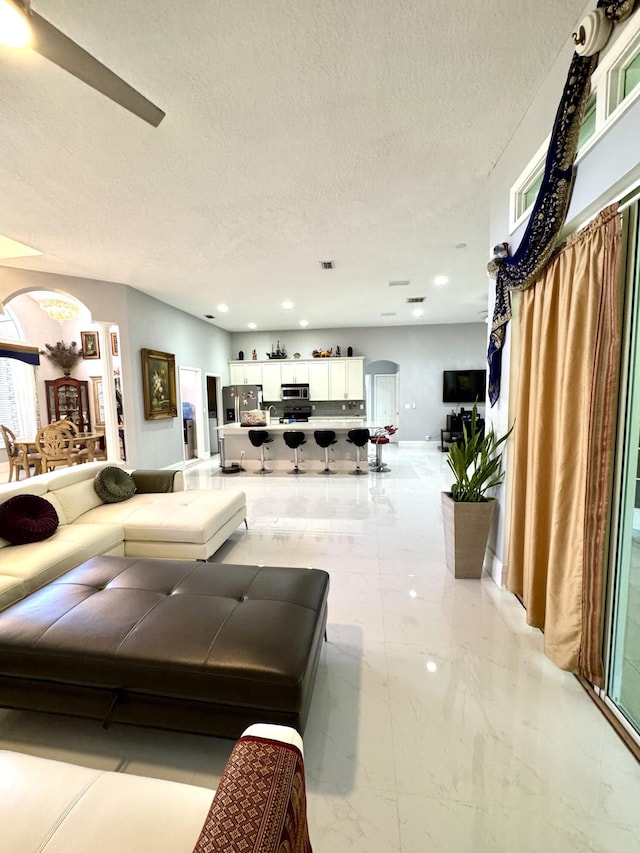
(54, 807)
(182, 525)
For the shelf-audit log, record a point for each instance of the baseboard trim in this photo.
(496, 568)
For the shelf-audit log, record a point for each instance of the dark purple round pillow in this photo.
(27, 518)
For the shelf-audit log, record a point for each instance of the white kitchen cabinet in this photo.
(346, 378)
(271, 381)
(294, 372)
(319, 379)
(245, 373)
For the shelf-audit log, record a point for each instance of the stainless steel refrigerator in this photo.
(240, 398)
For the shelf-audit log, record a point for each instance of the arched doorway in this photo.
(44, 319)
(382, 392)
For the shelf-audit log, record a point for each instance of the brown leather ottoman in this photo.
(201, 647)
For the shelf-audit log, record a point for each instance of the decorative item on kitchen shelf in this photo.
(241, 356)
(349, 352)
(64, 356)
(254, 355)
(296, 355)
(322, 353)
(467, 512)
(277, 351)
(159, 384)
(90, 345)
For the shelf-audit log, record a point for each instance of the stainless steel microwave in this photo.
(295, 392)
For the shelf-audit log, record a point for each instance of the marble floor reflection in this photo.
(437, 724)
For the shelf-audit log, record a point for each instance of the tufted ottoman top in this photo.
(229, 634)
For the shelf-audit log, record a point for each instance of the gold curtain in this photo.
(566, 401)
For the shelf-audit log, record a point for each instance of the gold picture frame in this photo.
(159, 384)
(90, 345)
(115, 350)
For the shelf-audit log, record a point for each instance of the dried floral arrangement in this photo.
(66, 356)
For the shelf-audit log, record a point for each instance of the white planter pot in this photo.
(466, 533)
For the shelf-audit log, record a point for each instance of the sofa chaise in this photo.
(183, 525)
(259, 806)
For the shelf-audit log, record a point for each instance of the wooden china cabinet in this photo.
(68, 399)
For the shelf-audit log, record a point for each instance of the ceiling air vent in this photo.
(388, 314)
(326, 265)
(403, 283)
(210, 316)
(414, 300)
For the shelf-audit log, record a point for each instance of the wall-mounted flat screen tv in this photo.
(464, 386)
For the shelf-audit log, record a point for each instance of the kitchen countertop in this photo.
(312, 424)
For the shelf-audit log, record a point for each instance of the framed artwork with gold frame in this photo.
(159, 384)
(90, 345)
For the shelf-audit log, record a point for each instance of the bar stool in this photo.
(293, 438)
(325, 438)
(359, 437)
(378, 440)
(260, 437)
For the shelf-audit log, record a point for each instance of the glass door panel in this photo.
(624, 673)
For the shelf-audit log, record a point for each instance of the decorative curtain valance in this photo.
(519, 271)
(10, 349)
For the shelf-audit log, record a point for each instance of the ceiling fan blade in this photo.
(59, 48)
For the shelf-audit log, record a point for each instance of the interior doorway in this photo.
(214, 409)
(382, 393)
(386, 400)
(192, 412)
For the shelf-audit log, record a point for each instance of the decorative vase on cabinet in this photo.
(68, 399)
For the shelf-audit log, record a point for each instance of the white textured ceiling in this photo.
(297, 131)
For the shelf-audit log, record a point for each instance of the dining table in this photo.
(81, 440)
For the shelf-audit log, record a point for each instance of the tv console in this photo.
(453, 432)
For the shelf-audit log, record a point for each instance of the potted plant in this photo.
(467, 512)
(65, 356)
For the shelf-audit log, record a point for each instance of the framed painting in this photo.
(114, 343)
(159, 384)
(90, 344)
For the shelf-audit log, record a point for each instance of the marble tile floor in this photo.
(437, 724)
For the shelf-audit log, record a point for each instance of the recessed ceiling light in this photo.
(287, 305)
(223, 308)
(441, 279)
(418, 312)
(252, 325)
(304, 323)
(15, 27)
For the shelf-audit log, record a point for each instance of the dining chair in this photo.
(18, 455)
(55, 444)
(82, 451)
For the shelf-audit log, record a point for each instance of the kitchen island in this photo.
(238, 448)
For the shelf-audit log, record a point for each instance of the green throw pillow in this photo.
(113, 485)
